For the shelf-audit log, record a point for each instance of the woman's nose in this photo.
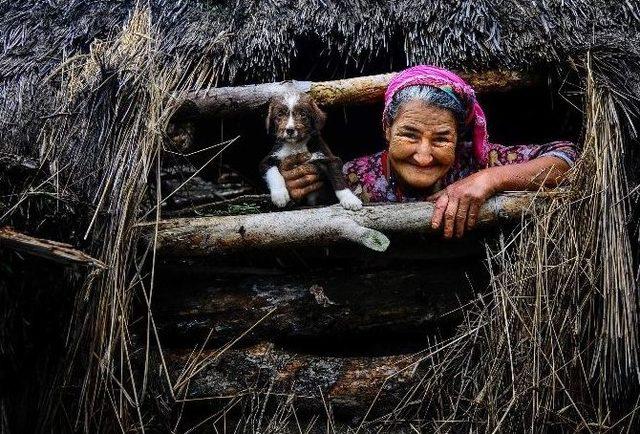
(423, 155)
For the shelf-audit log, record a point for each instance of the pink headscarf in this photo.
(450, 82)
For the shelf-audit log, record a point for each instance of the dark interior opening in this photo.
(378, 304)
(543, 112)
(532, 115)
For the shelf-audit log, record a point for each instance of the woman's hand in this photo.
(458, 205)
(300, 176)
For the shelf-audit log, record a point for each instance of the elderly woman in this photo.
(438, 151)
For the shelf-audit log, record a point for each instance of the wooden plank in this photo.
(331, 302)
(52, 250)
(225, 101)
(348, 384)
(317, 226)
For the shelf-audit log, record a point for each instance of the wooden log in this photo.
(198, 105)
(348, 384)
(52, 250)
(17, 163)
(331, 303)
(317, 226)
(224, 101)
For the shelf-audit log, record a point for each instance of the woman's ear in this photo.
(387, 133)
(319, 117)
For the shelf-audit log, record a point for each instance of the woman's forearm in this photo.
(546, 171)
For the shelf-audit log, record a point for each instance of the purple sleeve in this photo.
(365, 178)
(500, 155)
(352, 176)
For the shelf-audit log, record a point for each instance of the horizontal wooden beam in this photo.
(317, 226)
(224, 101)
(52, 250)
(353, 383)
(329, 302)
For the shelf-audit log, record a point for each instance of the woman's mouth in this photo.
(422, 166)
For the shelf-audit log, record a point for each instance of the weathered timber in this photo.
(199, 191)
(224, 101)
(52, 250)
(348, 384)
(317, 226)
(17, 163)
(334, 303)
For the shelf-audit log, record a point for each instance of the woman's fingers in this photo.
(438, 212)
(461, 217)
(455, 215)
(300, 177)
(299, 172)
(472, 216)
(303, 181)
(292, 161)
(300, 193)
(450, 216)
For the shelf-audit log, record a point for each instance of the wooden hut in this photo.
(148, 284)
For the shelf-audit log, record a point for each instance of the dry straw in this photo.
(116, 102)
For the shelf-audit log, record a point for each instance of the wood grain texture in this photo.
(330, 303)
(52, 250)
(224, 101)
(347, 383)
(317, 226)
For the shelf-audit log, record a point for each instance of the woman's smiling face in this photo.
(422, 143)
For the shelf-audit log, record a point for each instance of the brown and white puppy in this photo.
(294, 122)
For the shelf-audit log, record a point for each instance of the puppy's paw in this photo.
(353, 204)
(348, 200)
(280, 197)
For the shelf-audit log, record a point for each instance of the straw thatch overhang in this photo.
(87, 91)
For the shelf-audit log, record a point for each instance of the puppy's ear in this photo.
(319, 117)
(269, 120)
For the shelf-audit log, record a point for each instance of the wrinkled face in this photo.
(293, 117)
(422, 143)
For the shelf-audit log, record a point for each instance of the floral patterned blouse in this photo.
(369, 177)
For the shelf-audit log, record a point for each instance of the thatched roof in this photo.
(256, 41)
(261, 40)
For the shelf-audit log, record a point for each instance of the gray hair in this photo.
(431, 96)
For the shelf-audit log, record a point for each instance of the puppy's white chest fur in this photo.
(291, 149)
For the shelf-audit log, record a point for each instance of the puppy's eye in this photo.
(305, 114)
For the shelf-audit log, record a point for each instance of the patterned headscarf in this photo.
(450, 83)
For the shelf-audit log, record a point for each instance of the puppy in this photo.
(294, 122)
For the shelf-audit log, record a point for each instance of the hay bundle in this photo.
(104, 147)
(104, 144)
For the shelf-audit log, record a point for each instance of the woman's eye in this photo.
(408, 135)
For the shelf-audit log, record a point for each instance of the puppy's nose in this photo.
(290, 131)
